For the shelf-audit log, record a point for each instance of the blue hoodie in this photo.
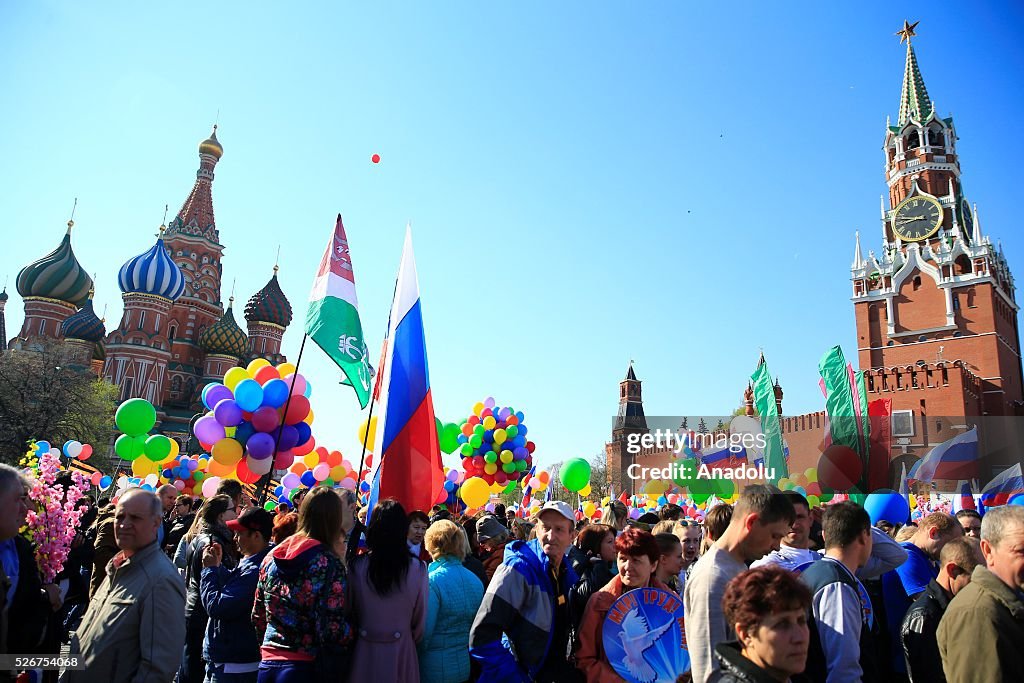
(228, 596)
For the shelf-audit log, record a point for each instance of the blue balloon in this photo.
(243, 432)
(887, 505)
(307, 478)
(278, 490)
(249, 395)
(275, 393)
(309, 389)
(105, 481)
(1016, 500)
(364, 486)
(523, 431)
(43, 446)
(305, 431)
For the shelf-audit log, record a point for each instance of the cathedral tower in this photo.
(53, 288)
(268, 314)
(937, 290)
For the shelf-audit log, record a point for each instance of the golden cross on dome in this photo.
(163, 224)
(907, 32)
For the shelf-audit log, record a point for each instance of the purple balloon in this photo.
(228, 413)
(208, 430)
(260, 445)
(289, 438)
(215, 393)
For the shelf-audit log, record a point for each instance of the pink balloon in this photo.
(321, 471)
(210, 485)
(95, 478)
(296, 382)
(179, 484)
(348, 483)
(86, 452)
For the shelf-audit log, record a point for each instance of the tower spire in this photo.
(976, 235)
(914, 101)
(858, 258)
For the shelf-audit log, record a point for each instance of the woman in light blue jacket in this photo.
(455, 594)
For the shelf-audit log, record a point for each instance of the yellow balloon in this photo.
(605, 500)
(489, 422)
(370, 438)
(142, 467)
(491, 467)
(235, 375)
(499, 436)
(309, 418)
(311, 459)
(338, 473)
(913, 501)
(497, 488)
(255, 364)
(589, 509)
(175, 449)
(285, 369)
(585, 491)
(475, 492)
(227, 452)
(478, 408)
(230, 431)
(506, 456)
(811, 473)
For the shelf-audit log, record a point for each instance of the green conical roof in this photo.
(58, 275)
(914, 101)
(225, 337)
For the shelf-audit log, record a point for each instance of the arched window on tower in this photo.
(913, 140)
(917, 282)
(172, 332)
(970, 298)
(962, 265)
(176, 385)
(935, 137)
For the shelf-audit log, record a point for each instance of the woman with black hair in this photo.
(389, 589)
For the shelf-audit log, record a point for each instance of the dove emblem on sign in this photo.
(636, 638)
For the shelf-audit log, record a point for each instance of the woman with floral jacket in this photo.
(300, 597)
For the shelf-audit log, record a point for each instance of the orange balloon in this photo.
(334, 459)
(266, 373)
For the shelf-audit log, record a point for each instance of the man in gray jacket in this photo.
(134, 629)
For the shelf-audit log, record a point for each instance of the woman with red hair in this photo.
(766, 608)
(637, 559)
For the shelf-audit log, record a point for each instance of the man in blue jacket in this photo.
(231, 648)
(521, 631)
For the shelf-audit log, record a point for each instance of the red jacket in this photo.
(590, 656)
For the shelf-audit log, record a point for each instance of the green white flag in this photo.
(332, 320)
(768, 409)
(839, 400)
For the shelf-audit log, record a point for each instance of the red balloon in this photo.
(266, 373)
(375, 158)
(86, 452)
(298, 409)
(245, 475)
(839, 467)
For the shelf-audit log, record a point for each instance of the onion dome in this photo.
(225, 337)
(211, 145)
(84, 324)
(58, 275)
(269, 305)
(153, 272)
(3, 295)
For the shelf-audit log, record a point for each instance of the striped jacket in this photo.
(513, 628)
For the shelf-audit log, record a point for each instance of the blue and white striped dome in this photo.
(153, 273)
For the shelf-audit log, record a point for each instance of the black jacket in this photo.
(596, 576)
(195, 614)
(29, 610)
(738, 669)
(918, 635)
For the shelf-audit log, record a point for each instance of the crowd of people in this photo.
(160, 587)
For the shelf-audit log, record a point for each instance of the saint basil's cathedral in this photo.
(175, 335)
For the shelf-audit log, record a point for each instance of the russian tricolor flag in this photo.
(408, 467)
(1005, 486)
(953, 459)
(728, 457)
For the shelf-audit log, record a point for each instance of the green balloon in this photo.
(510, 487)
(520, 465)
(725, 487)
(269, 506)
(135, 416)
(700, 497)
(490, 456)
(508, 468)
(130, 447)
(158, 448)
(198, 475)
(575, 474)
(512, 431)
(449, 438)
(476, 440)
(686, 472)
(856, 496)
(466, 450)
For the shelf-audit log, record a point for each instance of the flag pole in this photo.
(265, 483)
(366, 436)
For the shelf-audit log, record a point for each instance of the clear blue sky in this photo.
(673, 182)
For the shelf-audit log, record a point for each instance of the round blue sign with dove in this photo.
(645, 636)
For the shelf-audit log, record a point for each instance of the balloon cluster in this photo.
(187, 474)
(76, 450)
(807, 484)
(136, 417)
(321, 467)
(494, 447)
(449, 496)
(259, 419)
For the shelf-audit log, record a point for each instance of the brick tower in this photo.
(53, 288)
(194, 244)
(938, 295)
(629, 420)
(139, 350)
(268, 314)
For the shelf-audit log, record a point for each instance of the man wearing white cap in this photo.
(527, 601)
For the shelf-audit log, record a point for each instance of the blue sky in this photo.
(677, 183)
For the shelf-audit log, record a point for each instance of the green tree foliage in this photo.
(42, 398)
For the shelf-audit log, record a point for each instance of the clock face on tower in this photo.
(917, 218)
(967, 218)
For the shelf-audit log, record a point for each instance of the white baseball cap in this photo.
(559, 507)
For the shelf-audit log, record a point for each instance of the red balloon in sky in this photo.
(375, 158)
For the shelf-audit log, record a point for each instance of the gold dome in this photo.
(211, 145)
